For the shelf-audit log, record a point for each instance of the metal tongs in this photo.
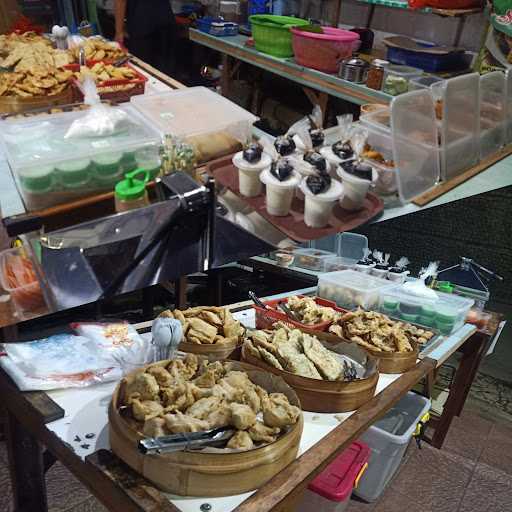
(185, 441)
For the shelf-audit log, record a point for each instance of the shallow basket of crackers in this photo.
(114, 83)
(209, 331)
(395, 343)
(32, 73)
(328, 376)
(260, 412)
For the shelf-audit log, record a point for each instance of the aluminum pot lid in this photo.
(355, 62)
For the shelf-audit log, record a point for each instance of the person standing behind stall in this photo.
(147, 29)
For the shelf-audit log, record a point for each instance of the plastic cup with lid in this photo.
(355, 189)
(279, 193)
(318, 207)
(249, 174)
(75, 173)
(37, 179)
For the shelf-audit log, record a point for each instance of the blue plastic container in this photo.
(432, 63)
(217, 26)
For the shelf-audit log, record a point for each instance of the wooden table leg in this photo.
(26, 464)
(473, 351)
(430, 381)
(225, 78)
(180, 291)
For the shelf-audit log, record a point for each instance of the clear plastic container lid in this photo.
(415, 144)
(195, 111)
(354, 280)
(351, 246)
(423, 82)
(40, 141)
(403, 71)
(492, 97)
(379, 120)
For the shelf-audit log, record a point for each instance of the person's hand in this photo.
(120, 37)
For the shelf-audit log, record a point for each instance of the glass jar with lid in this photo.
(376, 74)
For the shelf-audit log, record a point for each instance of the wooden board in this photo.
(448, 185)
(293, 224)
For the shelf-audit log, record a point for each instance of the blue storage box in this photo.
(217, 26)
(429, 62)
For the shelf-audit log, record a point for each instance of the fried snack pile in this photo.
(310, 312)
(189, 396)
(99, 49)
(294, 351)
(378, 332)
(38, 81)
(101, 72)
(207, 325)
(29, 51)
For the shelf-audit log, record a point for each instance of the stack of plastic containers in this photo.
(459, 123)
(351, 289)
(388, 439)
(51, 168)
(311, 259)
(350, 250)
(446, 313)
(492, 113)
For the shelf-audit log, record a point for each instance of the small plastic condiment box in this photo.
(193, 112)
(446, 313)
(330, 491)
(492, 113)
(388, 439)
(311, 259)
(350, 289)
(350, 250)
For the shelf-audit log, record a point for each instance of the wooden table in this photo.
(32, 424)
(234, 48)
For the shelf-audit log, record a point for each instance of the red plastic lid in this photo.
(329, 34)
(337, 480)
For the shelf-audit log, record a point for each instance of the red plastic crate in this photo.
(265, 318)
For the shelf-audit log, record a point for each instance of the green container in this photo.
(409, 318)
(108, 165)
(444, 327)
(37, 179)
(75, 173)
(272, 34)
(427, 312)
(427, 321)
(390, 304)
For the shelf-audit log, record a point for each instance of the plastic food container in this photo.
(492, 113)
(350, 289)
(355, 189)
(217, 26)
(330, 491)
(312, 259)
(350, 249)
(51, 170)
(196, 115)
(388, 439)
(272, 33)
(423, 82)
(265, 318)
(18, 278)
(430, 62)
(280, 194)
(324, 51)
(447, 313)
(396, 78)
(249, 182)
(318, 207)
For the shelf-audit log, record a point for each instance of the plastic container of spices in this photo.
(131, 192)
(376, 74)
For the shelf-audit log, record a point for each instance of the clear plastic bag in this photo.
(100, 120)
(418, 286)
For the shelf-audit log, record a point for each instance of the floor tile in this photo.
(467, 437)
(392, 501)
(358, 505)
(490, 490)
(436, 479)
(498, 449)
(91, 504)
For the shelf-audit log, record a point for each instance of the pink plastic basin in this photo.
(325, 51)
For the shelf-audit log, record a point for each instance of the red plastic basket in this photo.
(325, 51)
(266, 317)
(138, 85)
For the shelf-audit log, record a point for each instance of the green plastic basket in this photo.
(272, 34)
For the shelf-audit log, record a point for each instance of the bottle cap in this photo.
(131, 188)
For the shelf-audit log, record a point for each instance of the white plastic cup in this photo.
(279, 193)
(355, 189)
(249, 182)
(318, 207)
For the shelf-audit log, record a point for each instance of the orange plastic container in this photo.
(265, 318)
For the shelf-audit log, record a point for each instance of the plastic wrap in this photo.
(345, 126)
(418, 286)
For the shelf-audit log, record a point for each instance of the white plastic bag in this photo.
(418, 286)
(345, 127)
(100, 120)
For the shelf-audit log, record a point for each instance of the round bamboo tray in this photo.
(206, 474)
(17, 105)
(323, 395)
(395, 362)
(212, 352)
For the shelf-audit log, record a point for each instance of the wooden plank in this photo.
(337, 87)
(284, 487)
(166, 79)
(446, 186)
(452, 13)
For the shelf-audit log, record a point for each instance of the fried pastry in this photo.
(203, 407)
(241, 441)
(146, 409)
(242, 416)
(178, 422)
(278, 412)
(324, 360)
(143, 386)
(155, 427)
(259, 432)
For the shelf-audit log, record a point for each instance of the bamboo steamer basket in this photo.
(389, 362)
(206, 474)
(323, 395)
(212, 352)
(17, 105)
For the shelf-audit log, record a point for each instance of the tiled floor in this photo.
(472, 473)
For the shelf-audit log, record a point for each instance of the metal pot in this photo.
(354, 70)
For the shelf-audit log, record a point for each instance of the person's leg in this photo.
(165, 47)
(143, 48)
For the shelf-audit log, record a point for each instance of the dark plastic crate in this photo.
(228, 29)
(427, 62)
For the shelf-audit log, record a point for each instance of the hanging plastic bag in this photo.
(100, 120)
(418, 287)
